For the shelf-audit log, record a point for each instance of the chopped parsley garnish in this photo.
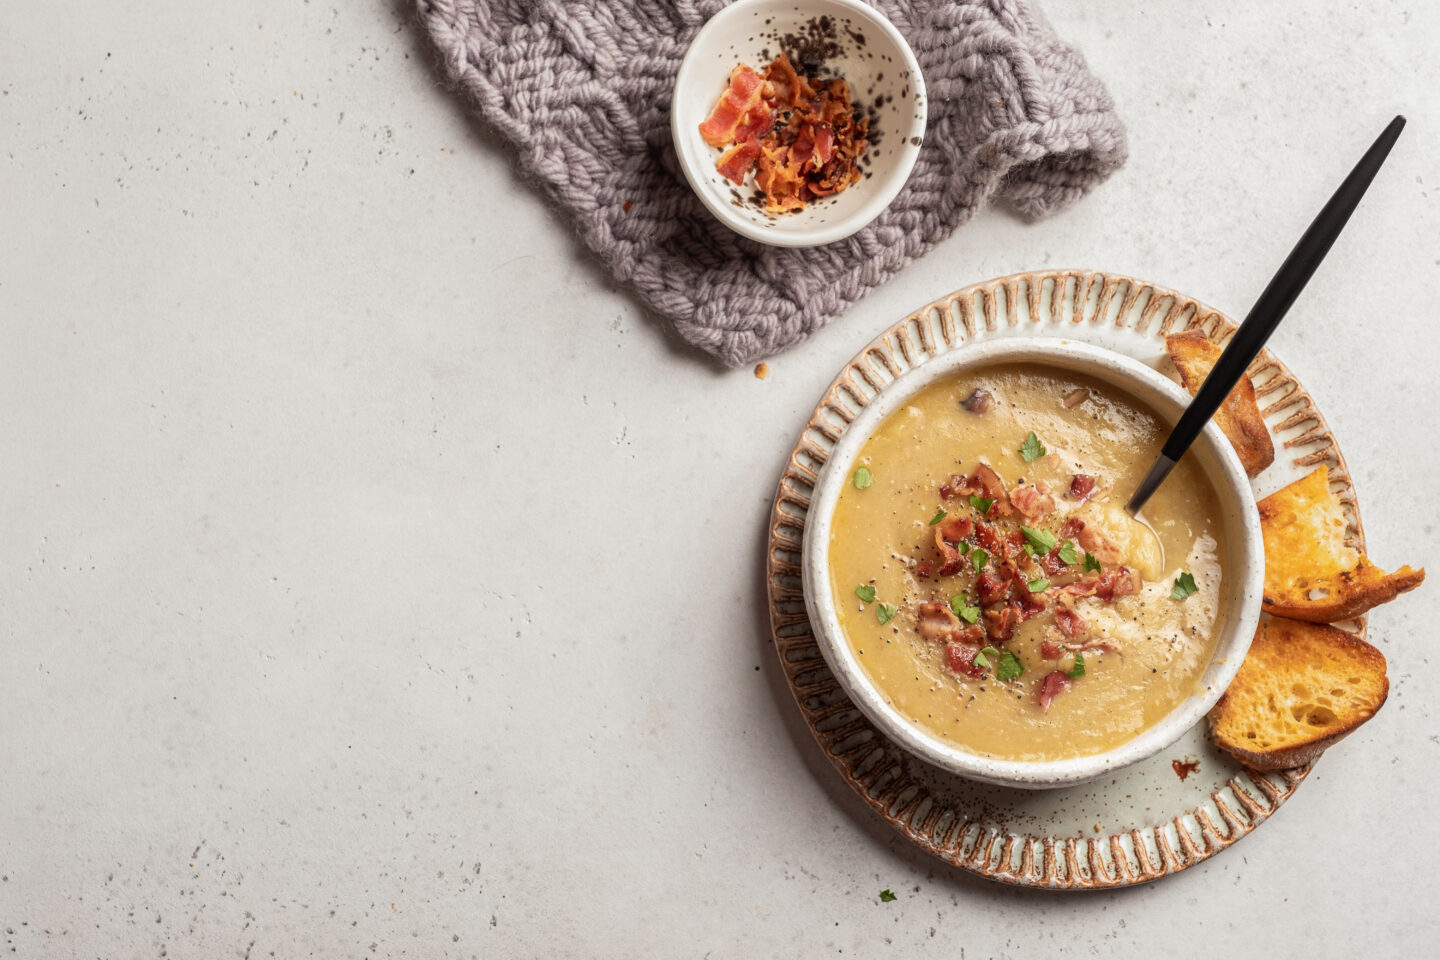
(962, 548)
(886, 896)
(981, 661)
(1036, 586)
(990, 651)
(1091, 563)
(1184, 587)
(1042, 541)
(983, 504)
(1010, 667)
(1029, 551)
(1077, 671)
(979, 558)
(1032, 448)
(866, 593)
(937, 518)
(863, 477)
(963, 610)
(884, 612)
(1067, 552)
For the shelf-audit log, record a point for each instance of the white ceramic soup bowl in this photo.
(1243, 559)
(873, 59)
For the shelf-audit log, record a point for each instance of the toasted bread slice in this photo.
(1310, 573)
(1239, 416)
(1302, 688)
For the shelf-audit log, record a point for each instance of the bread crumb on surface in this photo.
(762, 370)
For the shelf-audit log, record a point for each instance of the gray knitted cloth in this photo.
(581, 88)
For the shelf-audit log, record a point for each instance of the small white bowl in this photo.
(874, 60)
(1244, 564)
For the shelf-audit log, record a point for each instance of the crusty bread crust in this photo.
(1302, 688)
(1239, 416)
(1310, 573)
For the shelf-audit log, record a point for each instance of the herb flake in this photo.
(937, 518)
(866, 593)
(1184, 586)
(884, 612)
(983, 504)
(1038, 586)
(963, 610)
(863, 477)
(886, 896)
(979, 558)
(1067, 552)
(1078, 670)
(1032, 448)
(1091, 563)
(1042, 541)
(1010, 667)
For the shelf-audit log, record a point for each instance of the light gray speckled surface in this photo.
(375, 582)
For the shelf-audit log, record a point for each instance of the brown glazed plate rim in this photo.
(1146, 823)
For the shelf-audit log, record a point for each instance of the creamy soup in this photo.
(991, 583)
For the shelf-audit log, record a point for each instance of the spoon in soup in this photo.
(1266, 315)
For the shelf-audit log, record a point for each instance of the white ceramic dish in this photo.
(1244, 563)
(876, 62)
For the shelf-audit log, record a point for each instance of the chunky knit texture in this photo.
(581, 88)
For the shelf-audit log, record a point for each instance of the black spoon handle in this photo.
(1270, 309)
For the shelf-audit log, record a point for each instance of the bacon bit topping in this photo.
(1095, 541)
(949, 532)
(961, 659)
(1051, 562)
(1002, 619)
(1001, 587)
(1068, 620)
(991, 487)
(801, 135)
(741, 98)
(1031, 605)
(988, 537)
(984, 482)
(991, 587)
(1033, 503)
(1106, 585)
(951, 488)
(1075, 397)
(1183, 769)
(937, 621)
(1051, 687)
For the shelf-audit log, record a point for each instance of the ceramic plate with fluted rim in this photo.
(885, 82)
(1146, 822)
